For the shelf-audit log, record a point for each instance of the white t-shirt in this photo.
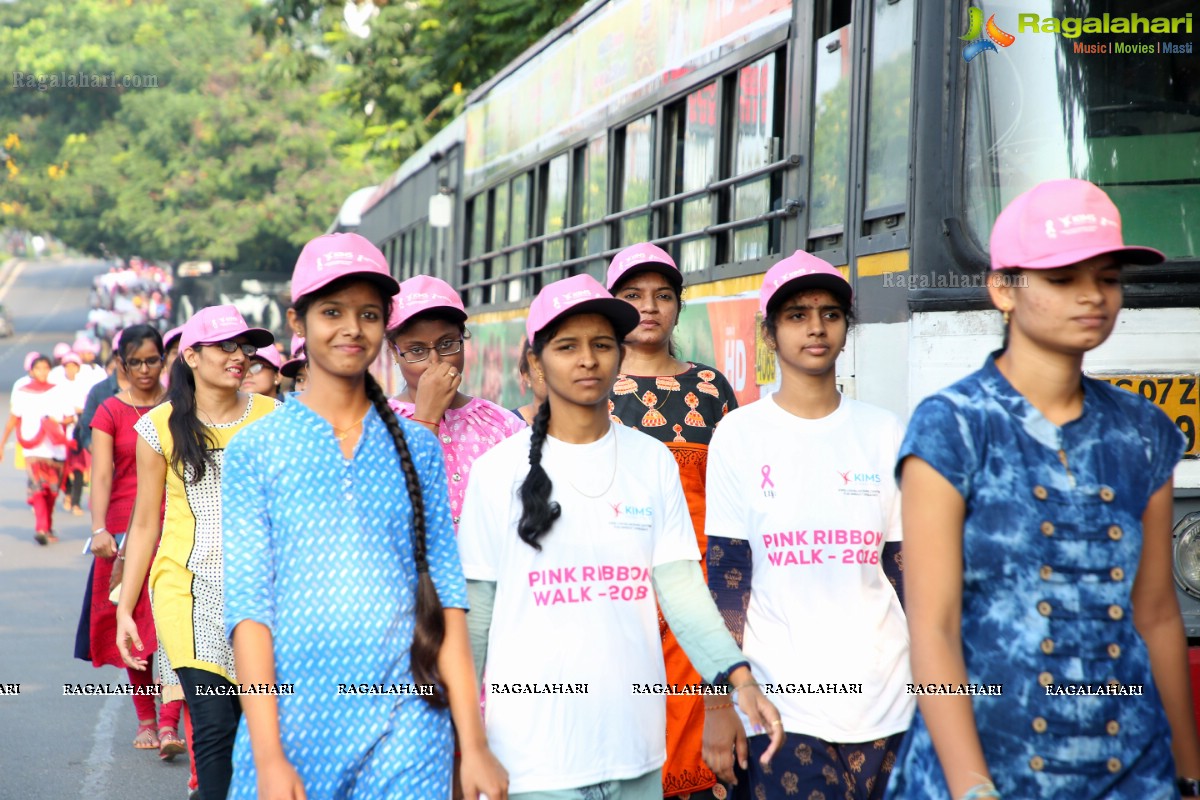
(816, 499)
(32, 407)
(581, 612)
(75, 392)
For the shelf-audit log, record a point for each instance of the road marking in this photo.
(11, 278)
(99, 762)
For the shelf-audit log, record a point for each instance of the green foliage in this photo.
(413, 73)
(232, 157)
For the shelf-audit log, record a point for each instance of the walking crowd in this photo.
(633, 588)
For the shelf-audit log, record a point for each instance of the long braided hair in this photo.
(429, 629)
(538, 514)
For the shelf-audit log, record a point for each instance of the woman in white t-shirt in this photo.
(570, 530)
(39, 413)
(803, 516)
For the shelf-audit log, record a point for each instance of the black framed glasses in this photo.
(149, 363)
(446, 347)
(232, 347)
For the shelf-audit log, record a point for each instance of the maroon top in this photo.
(117, 418)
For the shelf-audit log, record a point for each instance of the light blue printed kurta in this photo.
(319, 549)
(1051, 544)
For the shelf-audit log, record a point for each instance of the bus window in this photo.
(499, 264)
(758, 121)
(518, 232)
(636, 177)
(888, 109)
(831, 136)
(591, 193)
(554, 190)
(1125, 119)
(476, 246)
(692, 165)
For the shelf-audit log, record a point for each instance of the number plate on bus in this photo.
(1178, 395)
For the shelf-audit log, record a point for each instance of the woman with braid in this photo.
(569, 534)
(342, 577)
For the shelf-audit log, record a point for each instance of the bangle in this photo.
(982, 791)
(100, 530)
(718, 707)
(1188, 787)
(748, 683)
(426, 422)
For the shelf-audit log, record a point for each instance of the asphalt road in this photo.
(56, 747)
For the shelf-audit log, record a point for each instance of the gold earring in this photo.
(1006, 315)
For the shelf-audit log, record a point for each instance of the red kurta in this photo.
(117, 420)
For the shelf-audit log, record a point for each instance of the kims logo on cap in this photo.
(568, 299)
(341, 258)
(1077, 223)
(224, 322)
(796, 273)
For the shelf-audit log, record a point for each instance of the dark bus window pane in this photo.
(887, 116)
(478, 246)
(756, 144)
(1126, 121)
(499, 265)
(556, 210)
(596, 193)
(695, 141)
(518, 231)
(637, 178)
(831, 134)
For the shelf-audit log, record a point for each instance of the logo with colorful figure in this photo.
(975, 36)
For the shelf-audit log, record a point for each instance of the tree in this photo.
(413, 70)
(224, 160)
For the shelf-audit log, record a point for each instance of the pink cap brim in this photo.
(1142, 256)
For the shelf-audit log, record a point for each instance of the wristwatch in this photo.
(1188, 787)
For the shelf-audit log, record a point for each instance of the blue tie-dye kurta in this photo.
(1050, 551)
(319, 549)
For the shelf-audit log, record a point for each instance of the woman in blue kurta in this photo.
(1037, 511)
(341, 585)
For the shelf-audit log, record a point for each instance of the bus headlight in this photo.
(1186, 561)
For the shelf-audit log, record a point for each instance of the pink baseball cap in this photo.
(1062, 222)
(424, 293)
(298, 359)
(85, 345)
(30, 357)
(640, 257)
(338, 255)
(60, 350)
(579, 294)
(801, 270)
(270, 354)
(171, 336)
(220, 324)
(72, 358)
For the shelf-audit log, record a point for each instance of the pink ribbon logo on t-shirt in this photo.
(766, 481)
(767, 485)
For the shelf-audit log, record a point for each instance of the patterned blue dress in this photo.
(1051, 544)
(318, 548)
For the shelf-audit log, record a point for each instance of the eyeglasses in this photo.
(256, 367)
(149, 363)
(232, 347)
(446, 347)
